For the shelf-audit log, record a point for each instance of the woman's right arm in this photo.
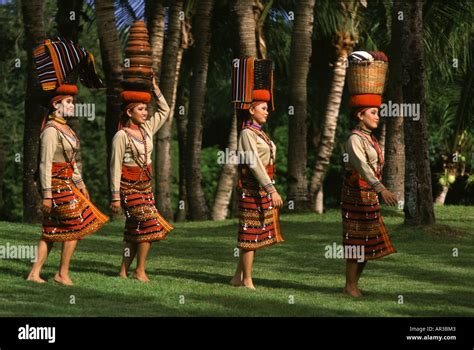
(119, 144)
(48, 144)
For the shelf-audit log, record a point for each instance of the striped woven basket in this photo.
(366, 77)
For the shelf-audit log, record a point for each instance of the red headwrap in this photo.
(365, 100)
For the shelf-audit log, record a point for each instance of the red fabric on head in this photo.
(67, 89)
(261, 95)
(135, 96)
(365, 100)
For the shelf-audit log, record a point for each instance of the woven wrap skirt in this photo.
(362, 224)
(259, 222)
(73, 216)
(143, 221)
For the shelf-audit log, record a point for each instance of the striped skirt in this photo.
(363, 227)
(259, 222)
(143, 222)
(73, 216)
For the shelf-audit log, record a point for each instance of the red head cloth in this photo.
(135, 96)
(260, 96)
(365, 100)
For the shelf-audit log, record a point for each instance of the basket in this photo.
(366, 77)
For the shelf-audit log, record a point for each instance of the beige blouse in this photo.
(359, 149)
(122, 146)
(53, 144)
(257, 154)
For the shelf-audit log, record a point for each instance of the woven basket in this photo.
(366, 77)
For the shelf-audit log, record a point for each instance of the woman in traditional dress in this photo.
(364, 233)
(259, 225)
(131, 178)
(69, 216)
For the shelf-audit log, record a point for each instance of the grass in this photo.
(191, 269)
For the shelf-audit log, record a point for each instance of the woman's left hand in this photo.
(156, 88)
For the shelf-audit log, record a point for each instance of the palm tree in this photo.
(418, 194)
(346, 36)
(68, 20)
(301, 47)
(33, 23)
(110, 49)
(172, 56)
(155, 14)
(246, 29)
(198, 209)
(394, 169)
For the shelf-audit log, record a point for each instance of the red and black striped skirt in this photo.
(73, 216)
(143, 221)
(259, 222)
(363, 226)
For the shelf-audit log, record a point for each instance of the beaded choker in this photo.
(134, 126)
(365, 131)
(60, 120)
(253, 125)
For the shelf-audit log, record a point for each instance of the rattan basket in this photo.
(366, 77)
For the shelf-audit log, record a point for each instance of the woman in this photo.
(69, 216)
(259, 225)
(130, 171)
(363, 229)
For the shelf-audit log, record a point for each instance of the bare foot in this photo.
(34, 278)
(141, 276)
(236, 282)
(123, 275)
(353, 292)
(64, 280)
(248, 284)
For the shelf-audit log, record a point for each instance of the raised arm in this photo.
(157, 120)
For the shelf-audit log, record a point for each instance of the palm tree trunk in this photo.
(172, 56)
(112, 65)
(394, 168)
(68, 19)
(198, 209)
(300, 54)
(34, 33)
(155, 14)
(418, 193)
(182, 100)
(3, 214)
(246, 24)
(227, 179)
(326, 144)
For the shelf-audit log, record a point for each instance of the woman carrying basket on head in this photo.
(363, 228)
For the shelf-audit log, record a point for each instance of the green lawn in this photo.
(190, 272)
